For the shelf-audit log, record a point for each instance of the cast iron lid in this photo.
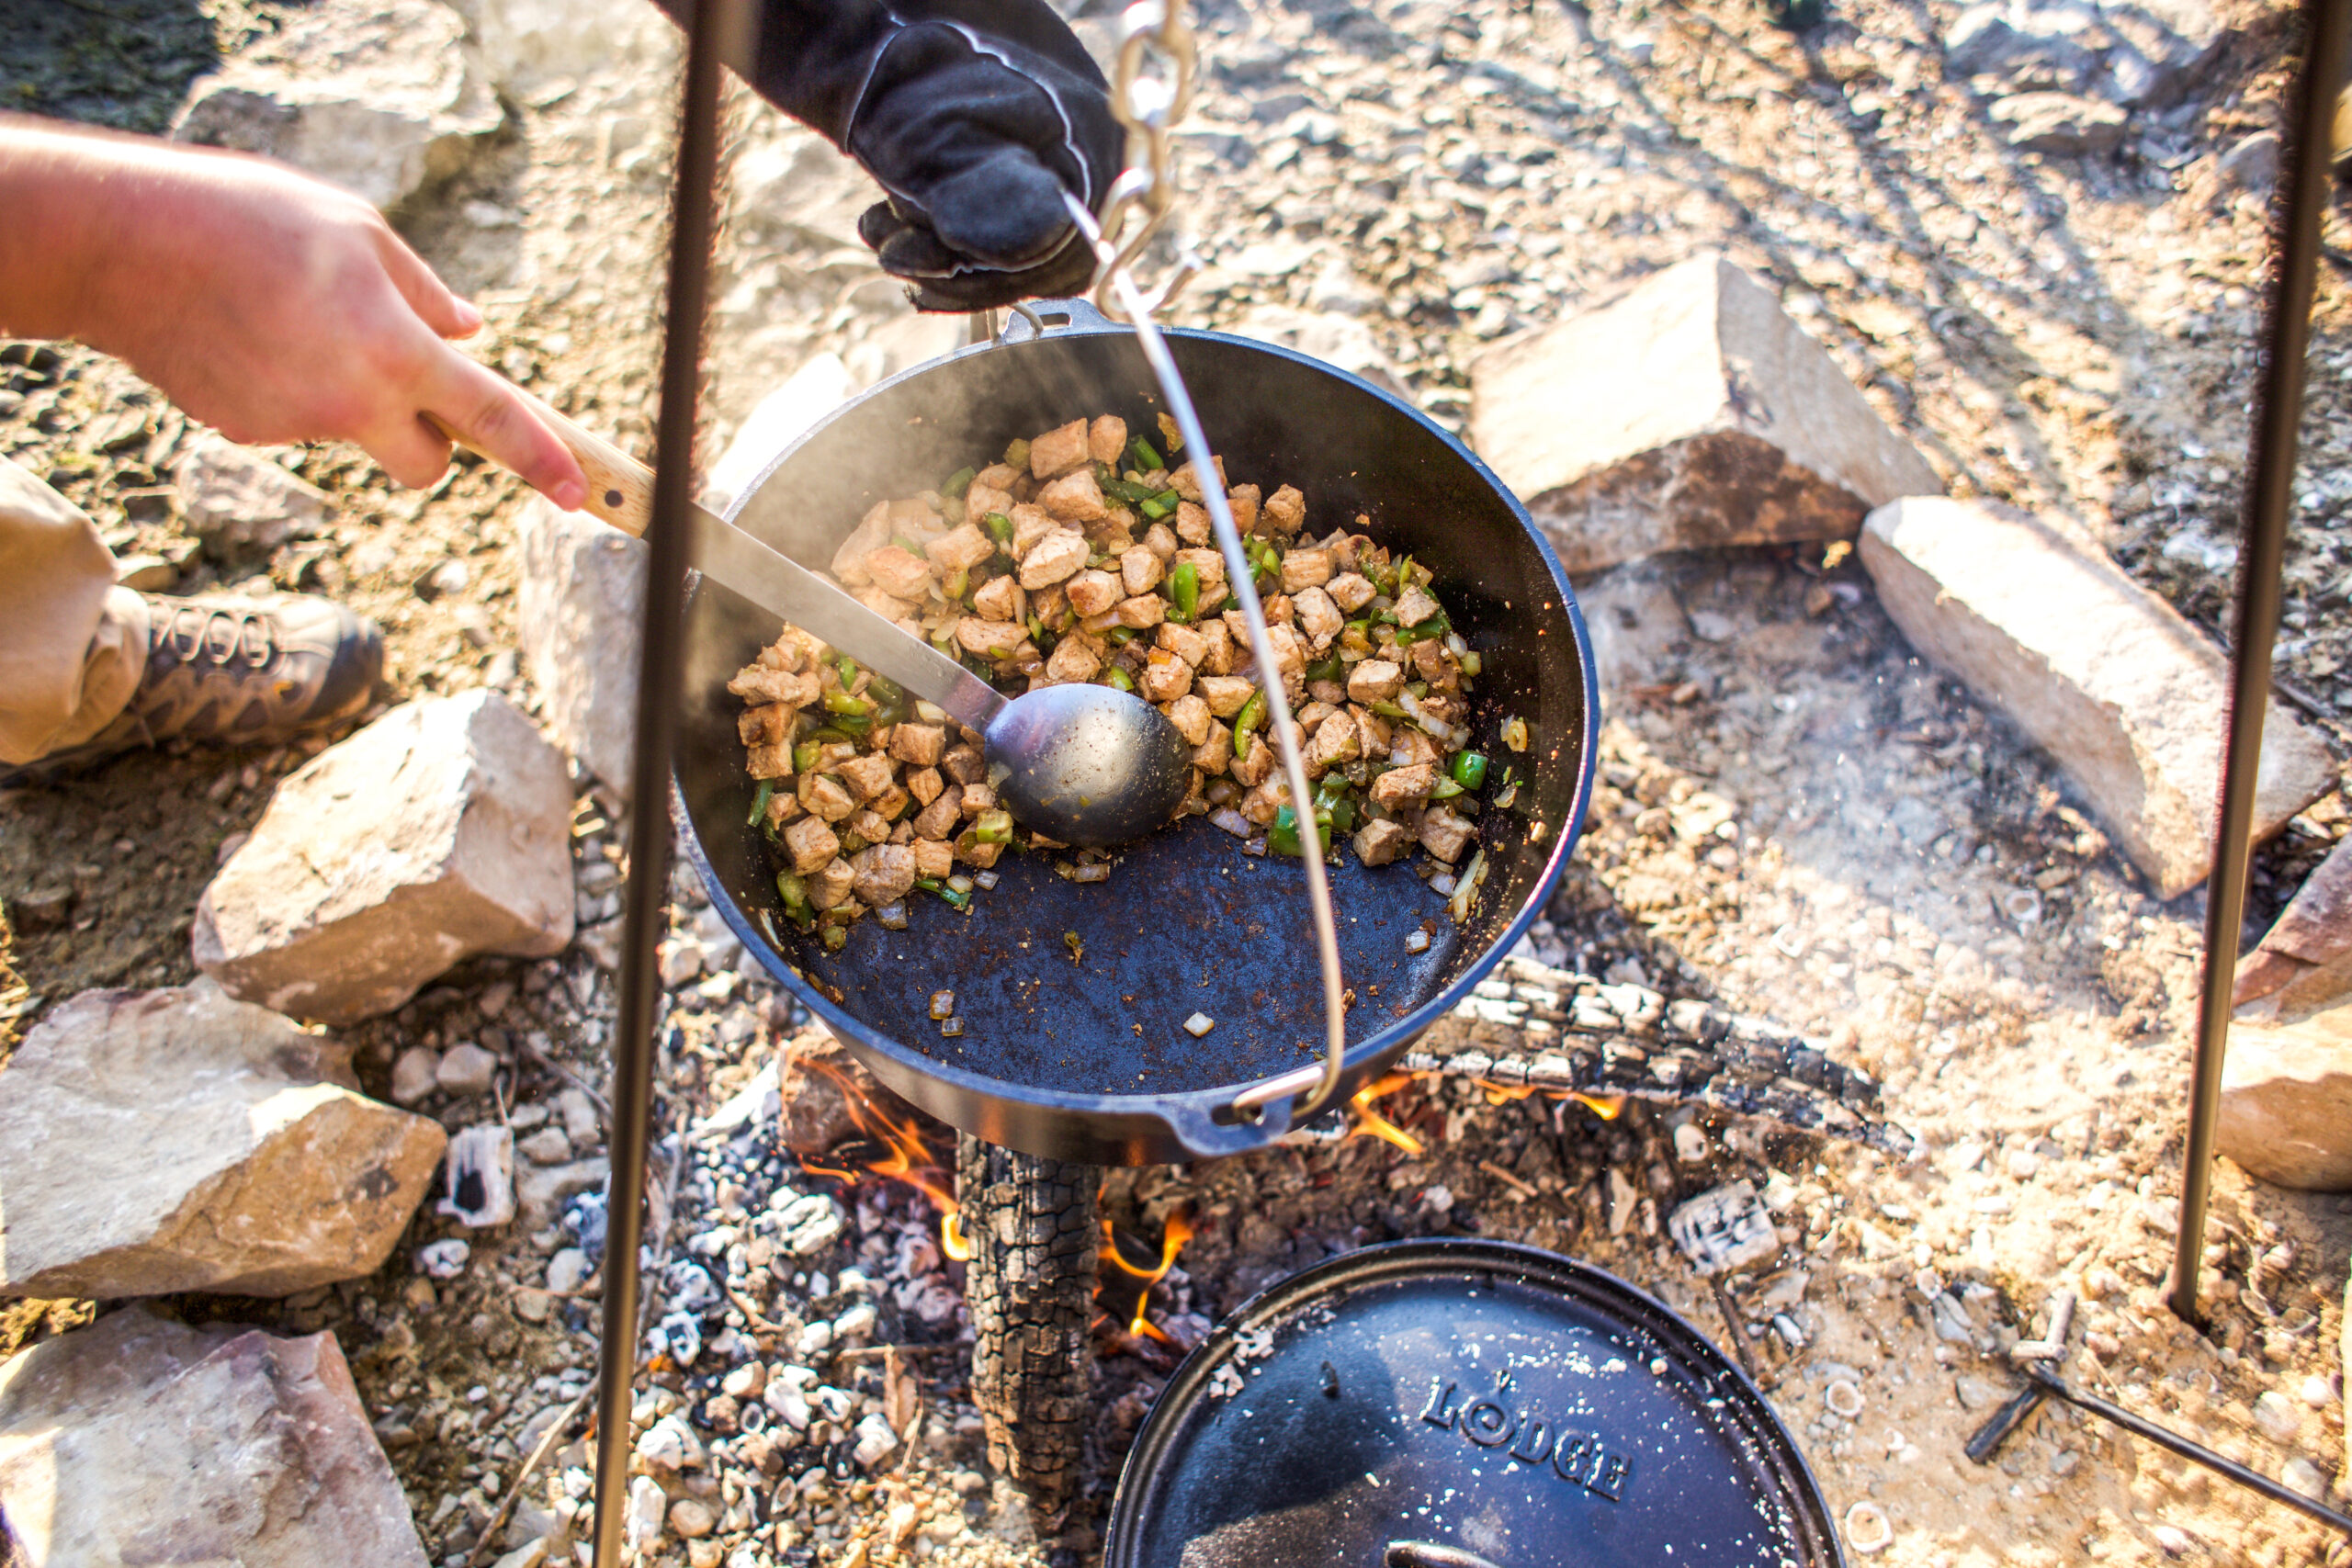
(1459, 1403)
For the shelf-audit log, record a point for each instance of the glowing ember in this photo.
(1171, 1242)
(951, 1237)
(1608, 1107)
(1369, 1121)
(905, 1157)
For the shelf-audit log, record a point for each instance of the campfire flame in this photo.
(1369, 1121)
(1171, 1242)
(905, 1157)
(1608, 1107)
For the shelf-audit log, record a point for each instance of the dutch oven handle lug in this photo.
(1193, 1120)
(1034, 319)
(1430, 1554)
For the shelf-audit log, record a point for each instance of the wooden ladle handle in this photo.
(620, 488)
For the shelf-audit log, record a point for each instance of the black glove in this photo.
(973, 115)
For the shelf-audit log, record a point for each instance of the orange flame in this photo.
(1369, 1121)
(1171, 1242)
(1608, 1107)
(908, 1159)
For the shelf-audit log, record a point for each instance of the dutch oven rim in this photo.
(1190, 1110)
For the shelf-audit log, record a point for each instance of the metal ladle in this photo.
(1084, 764)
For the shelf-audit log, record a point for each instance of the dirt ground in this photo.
(1796, 817)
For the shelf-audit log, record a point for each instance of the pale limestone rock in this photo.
(2305, 960)
(2059, 123)
(2101, 672)
(2287, 1101)
(441, 830)
(1692, 413)
(235, 497)
(580, 605)
(141, 1441)
(175, 1140)
(776, 422)
(380, 98)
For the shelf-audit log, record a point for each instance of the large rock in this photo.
(441, 830)
(581, 608)
(2143, 54)
(2101, 672)
(2287, 1101)
(175, 1140)
(380, 98)
(233, 497)
(2059, 123)
(530, 47)
(1692, 413)
(138, 1441)
(2305, 959)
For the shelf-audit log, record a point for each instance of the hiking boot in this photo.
(228, 672)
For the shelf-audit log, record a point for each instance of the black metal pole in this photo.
(658, 678)
(2327, 24)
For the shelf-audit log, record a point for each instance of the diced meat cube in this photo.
(982, 500)
(1092, 593)
(1410, 746)
(1208, 564)
(1334, 743)
(1059, 450)
(1444, 709)
(978, 797)
(891, 804)
(885, 872)
(830, 887)
(1215, 752)
(1139, 569)
(1318, 618)
(1075, 497)
(1161, 540)
(1380, 842)
(825, 798)
(934, 859)
(1371, 732)
(1073, 659)
(1286, 511)
(1330, 692)
(1051, 606)
(1243, 500)
(764, 725)
(990, 640)
(1415, 605)
(971, 851)
(1191, 716)
(771, 760)
(1310, 718)
(1445, 835)
(997, 476)
(781, 654)
(1306, 568)
(1143, 612)
(1106, 440)
(1184, 642)
(938, 820)
(924, 785)
(755, 684)
(831, 755)
(960, 550)
(1187, 479)
(920, 744)
(1435, 663)
(889, 606)
(1351, 590)
(1056, 555)
(897, 573)
(1029, 524)
(811, 843)
(1193, 525)
(1253, 768)
(1290, 659)
(1375, 680)
(1400, 787)
(868, 777)
(1226, 694)
(1280, 611)
(783, 806)
(963, 764)
(1166, 677)
(870, 825)
(872, 531)
(999, 599)
(1218, 658)
(1265, 798)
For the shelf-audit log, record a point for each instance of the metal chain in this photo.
(1149, 102)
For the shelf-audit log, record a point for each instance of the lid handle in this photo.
(1430, 1554)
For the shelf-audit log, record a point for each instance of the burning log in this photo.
(1530, 1028)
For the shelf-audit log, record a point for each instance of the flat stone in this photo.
(1691, 413)
(2059, 123)
(2141, 54)
(236, 499)
(579, 605)
(815, 1074)
(2124, 692)
(441, 830)
(534, 49)
(466, 1069)
(2305, 959)
(2287, 1101)
(416, 1073)
(381, 99)
(542, 1191)
(177, 1140)
(138, 1441)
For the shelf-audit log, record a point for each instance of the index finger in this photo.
(485, 412)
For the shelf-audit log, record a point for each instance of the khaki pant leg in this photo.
(72, 645)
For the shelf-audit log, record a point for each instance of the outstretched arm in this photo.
(264, 302)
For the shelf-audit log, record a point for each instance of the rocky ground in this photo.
(1795, 816)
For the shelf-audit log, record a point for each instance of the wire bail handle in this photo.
(1151, 90)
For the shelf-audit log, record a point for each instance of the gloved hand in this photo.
(973, 115)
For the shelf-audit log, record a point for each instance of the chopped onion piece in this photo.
(951, 1027)
(1436, 728)
(1443, 884)
(1455, 645)
(1465, 897)
(960, 883)
(984, 879)
(943, 1004)
(930, 713)
(1417, 941)
(893, 915)
(1200, 1023)
(1232, 821)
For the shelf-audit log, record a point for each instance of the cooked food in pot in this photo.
(1081, 554)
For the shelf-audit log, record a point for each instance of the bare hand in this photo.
(265, 303)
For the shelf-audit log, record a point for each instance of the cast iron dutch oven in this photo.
(1074, 996)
